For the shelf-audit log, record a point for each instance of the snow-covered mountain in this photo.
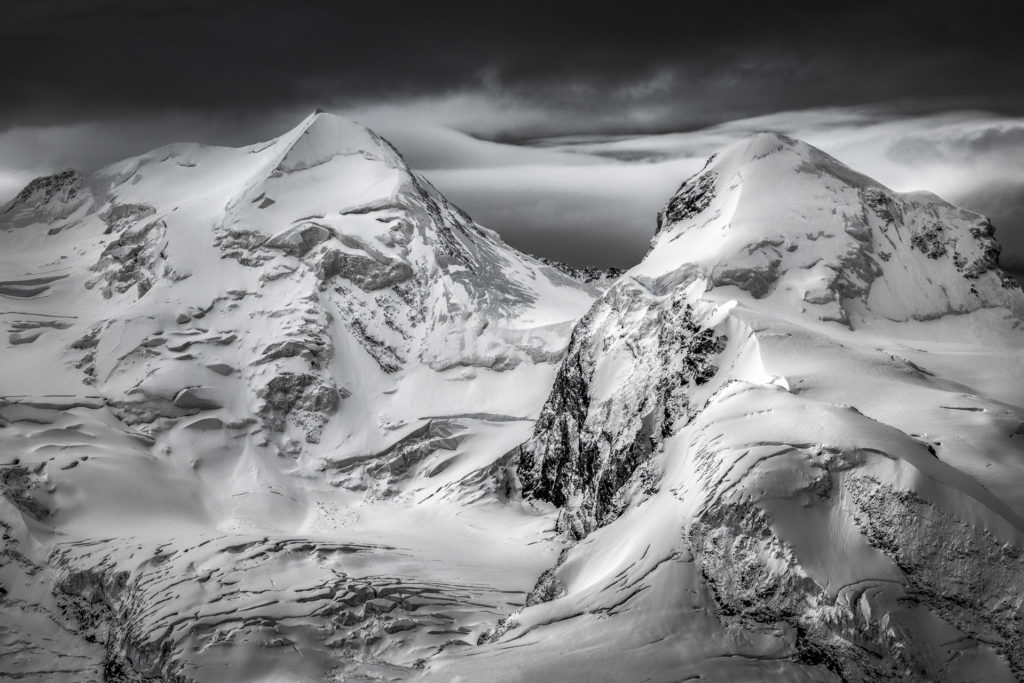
(791, 443)
(230, 377)
(284, 413)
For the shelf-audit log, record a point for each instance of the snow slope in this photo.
(790, 443)
(248, 398)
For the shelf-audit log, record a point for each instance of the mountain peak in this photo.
(762, 144)
(322, 136)
(778, 155)
(772, 215)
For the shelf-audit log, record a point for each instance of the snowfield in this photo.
(283, 413)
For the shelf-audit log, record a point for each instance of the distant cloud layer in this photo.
(555, 123)
(549, 67)
(589, 199)
(593, 199)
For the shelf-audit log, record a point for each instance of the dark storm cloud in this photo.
(88, 83)
(639, 66)
(603, 213)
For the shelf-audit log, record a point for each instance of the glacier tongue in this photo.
(789, 441)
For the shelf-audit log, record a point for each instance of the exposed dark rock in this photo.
(284, 349)
(988, 258)
(24, 489)
(386, 356)
(301, 398)
(244, 246)
(882, 204)
(931, 241)
(588, 274)
(757, 281)
(941, 556)
(693, 197)
(222, 369)
(401, 458)
(577, 456)
(133, 259)
(365, 272)
(120, 216)
(548, 586)
(41, 190)
(46, 200)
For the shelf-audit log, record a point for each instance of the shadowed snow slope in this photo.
(791, 443)
(248, 399)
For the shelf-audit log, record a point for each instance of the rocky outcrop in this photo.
(962, 573)
(400, 461)
(363, 271)
(135, 258)
(23, 487)
(601, 278)
(48, 200)
(121, 216)
(692, 198)
(301, 399)
(587, 447)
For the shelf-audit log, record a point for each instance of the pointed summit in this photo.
(321, 136)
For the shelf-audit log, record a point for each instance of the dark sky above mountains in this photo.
(85, 83)
(627, 67)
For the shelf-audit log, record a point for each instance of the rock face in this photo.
(786, 441)
(588, 455)
(52, 198)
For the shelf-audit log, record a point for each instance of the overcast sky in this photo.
(562, 126)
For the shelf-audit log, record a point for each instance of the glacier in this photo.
(284, 413)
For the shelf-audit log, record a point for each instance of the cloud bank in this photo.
(588, 199)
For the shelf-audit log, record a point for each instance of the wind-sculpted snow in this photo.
(829, 486)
